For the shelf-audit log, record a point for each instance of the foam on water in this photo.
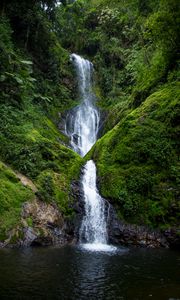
(99, 247)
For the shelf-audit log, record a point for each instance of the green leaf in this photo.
(32, 79)
(2, 78)
(20, 81)
(26, 62)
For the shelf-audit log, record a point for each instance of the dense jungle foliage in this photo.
(36, 86)
(133, 45)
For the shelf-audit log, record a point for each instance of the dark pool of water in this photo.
(75, 274)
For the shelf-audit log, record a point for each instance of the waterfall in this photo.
(82, 125)
(82, 122)
(93, 228)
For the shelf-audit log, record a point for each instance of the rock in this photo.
(173, 237)
(78, 207)
(42, 241)
(42, 224)
(26, 182)
(29, 236)
(76, 137)
(128, 234)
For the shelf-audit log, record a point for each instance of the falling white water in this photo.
(82, 122)
(94, 224)
(93, 228)
(82, 125)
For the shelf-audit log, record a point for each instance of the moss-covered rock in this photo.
(137, 161)
(12, 195)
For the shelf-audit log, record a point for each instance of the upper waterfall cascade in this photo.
(82, 124)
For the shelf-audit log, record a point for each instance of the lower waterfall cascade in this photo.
(93, 229)
(82, 124)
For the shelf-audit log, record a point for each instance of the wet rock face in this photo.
(77, 206)
(46, 221)
(173, 237)
(103, 117)
(127, 234)
(48, 225)
(42, 224)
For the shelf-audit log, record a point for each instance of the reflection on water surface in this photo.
(78, 274)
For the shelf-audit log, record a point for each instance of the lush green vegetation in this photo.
(134, 47)
(138, 161)
(12, 195)
(36, 86)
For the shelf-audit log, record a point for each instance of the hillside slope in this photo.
(138, 163)
(37, 84)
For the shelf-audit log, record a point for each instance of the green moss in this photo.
(138, 161)
(29, 221)
(31, 142)
(55, 186)
(12, 195)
